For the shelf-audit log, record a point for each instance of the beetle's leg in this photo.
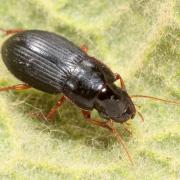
(10, 31)
(15, 87)
(110, 126)
(84, 48)
(52, 113)
(126, 129)
(99, 123)
(86, 114)
(118, 77)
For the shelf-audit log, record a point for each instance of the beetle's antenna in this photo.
(119, 138)
(141, 116)
(155, 98)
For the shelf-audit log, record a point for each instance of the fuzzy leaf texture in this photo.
(140, 39)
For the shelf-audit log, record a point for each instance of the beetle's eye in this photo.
(127, 111)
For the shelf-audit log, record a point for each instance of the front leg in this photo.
(122, 84)
(110, 126)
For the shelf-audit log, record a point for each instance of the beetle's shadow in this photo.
(69, 124)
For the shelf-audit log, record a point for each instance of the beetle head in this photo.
(114, 103)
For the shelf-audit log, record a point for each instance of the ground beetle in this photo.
(53, 64)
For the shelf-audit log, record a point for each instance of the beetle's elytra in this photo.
(53, 64)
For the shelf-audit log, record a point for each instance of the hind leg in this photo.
(10, 31)
(15, 87)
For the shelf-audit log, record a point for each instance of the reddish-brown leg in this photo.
(126, 129)
(16, 87)
(51, 115)
(86, 114)
(110, 126)
(118, 77)
(10, 31)
(84, 48)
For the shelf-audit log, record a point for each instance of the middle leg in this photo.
(52, 113)
(84, 48)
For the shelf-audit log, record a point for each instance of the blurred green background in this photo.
(140, 39)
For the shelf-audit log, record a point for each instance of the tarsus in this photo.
(119, 139)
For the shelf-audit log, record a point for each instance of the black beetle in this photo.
(53, 64)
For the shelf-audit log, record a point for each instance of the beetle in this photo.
(53, 64)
